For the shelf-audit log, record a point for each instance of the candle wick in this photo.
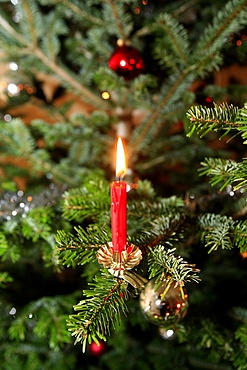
(120, 175)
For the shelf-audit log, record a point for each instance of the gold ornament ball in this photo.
(166, 310)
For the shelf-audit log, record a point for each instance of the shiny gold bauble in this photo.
(163, 309)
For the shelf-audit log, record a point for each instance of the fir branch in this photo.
(152, 222)
(220, 117)
(50, 43)
(31, 24)
(229, 20)
(65, 75)
(240, 235)
(17, 140)
(50, 323)
(88, 201)
(225, 172)
(238, 358)
(12, 32)
(145, 191)
(100, 311)
(106, 79)
(242, 122)
(153, 208)
(216, 231)
(9, 249)
(163, 264)
(3, 247)
(241, 334)
(81, 248)
(176, 37)
(163, 230)
(5, 278)
(178, 82)
(120, 18)
(79, 11)
(37, 224)
(213, 339)
(32, 48)
(231, 16)
(220, 171)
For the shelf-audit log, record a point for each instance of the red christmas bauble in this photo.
(97, 349)
(126, 61)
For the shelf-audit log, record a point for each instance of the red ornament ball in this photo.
(97, 349)
(126, 61)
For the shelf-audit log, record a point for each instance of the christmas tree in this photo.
(168, 77)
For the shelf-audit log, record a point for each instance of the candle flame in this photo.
(120, 160)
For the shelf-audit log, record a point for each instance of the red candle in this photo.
(119, 202)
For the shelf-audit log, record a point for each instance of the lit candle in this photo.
(119, 202)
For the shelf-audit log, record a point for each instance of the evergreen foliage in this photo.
(232, 121)
(55, 170)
